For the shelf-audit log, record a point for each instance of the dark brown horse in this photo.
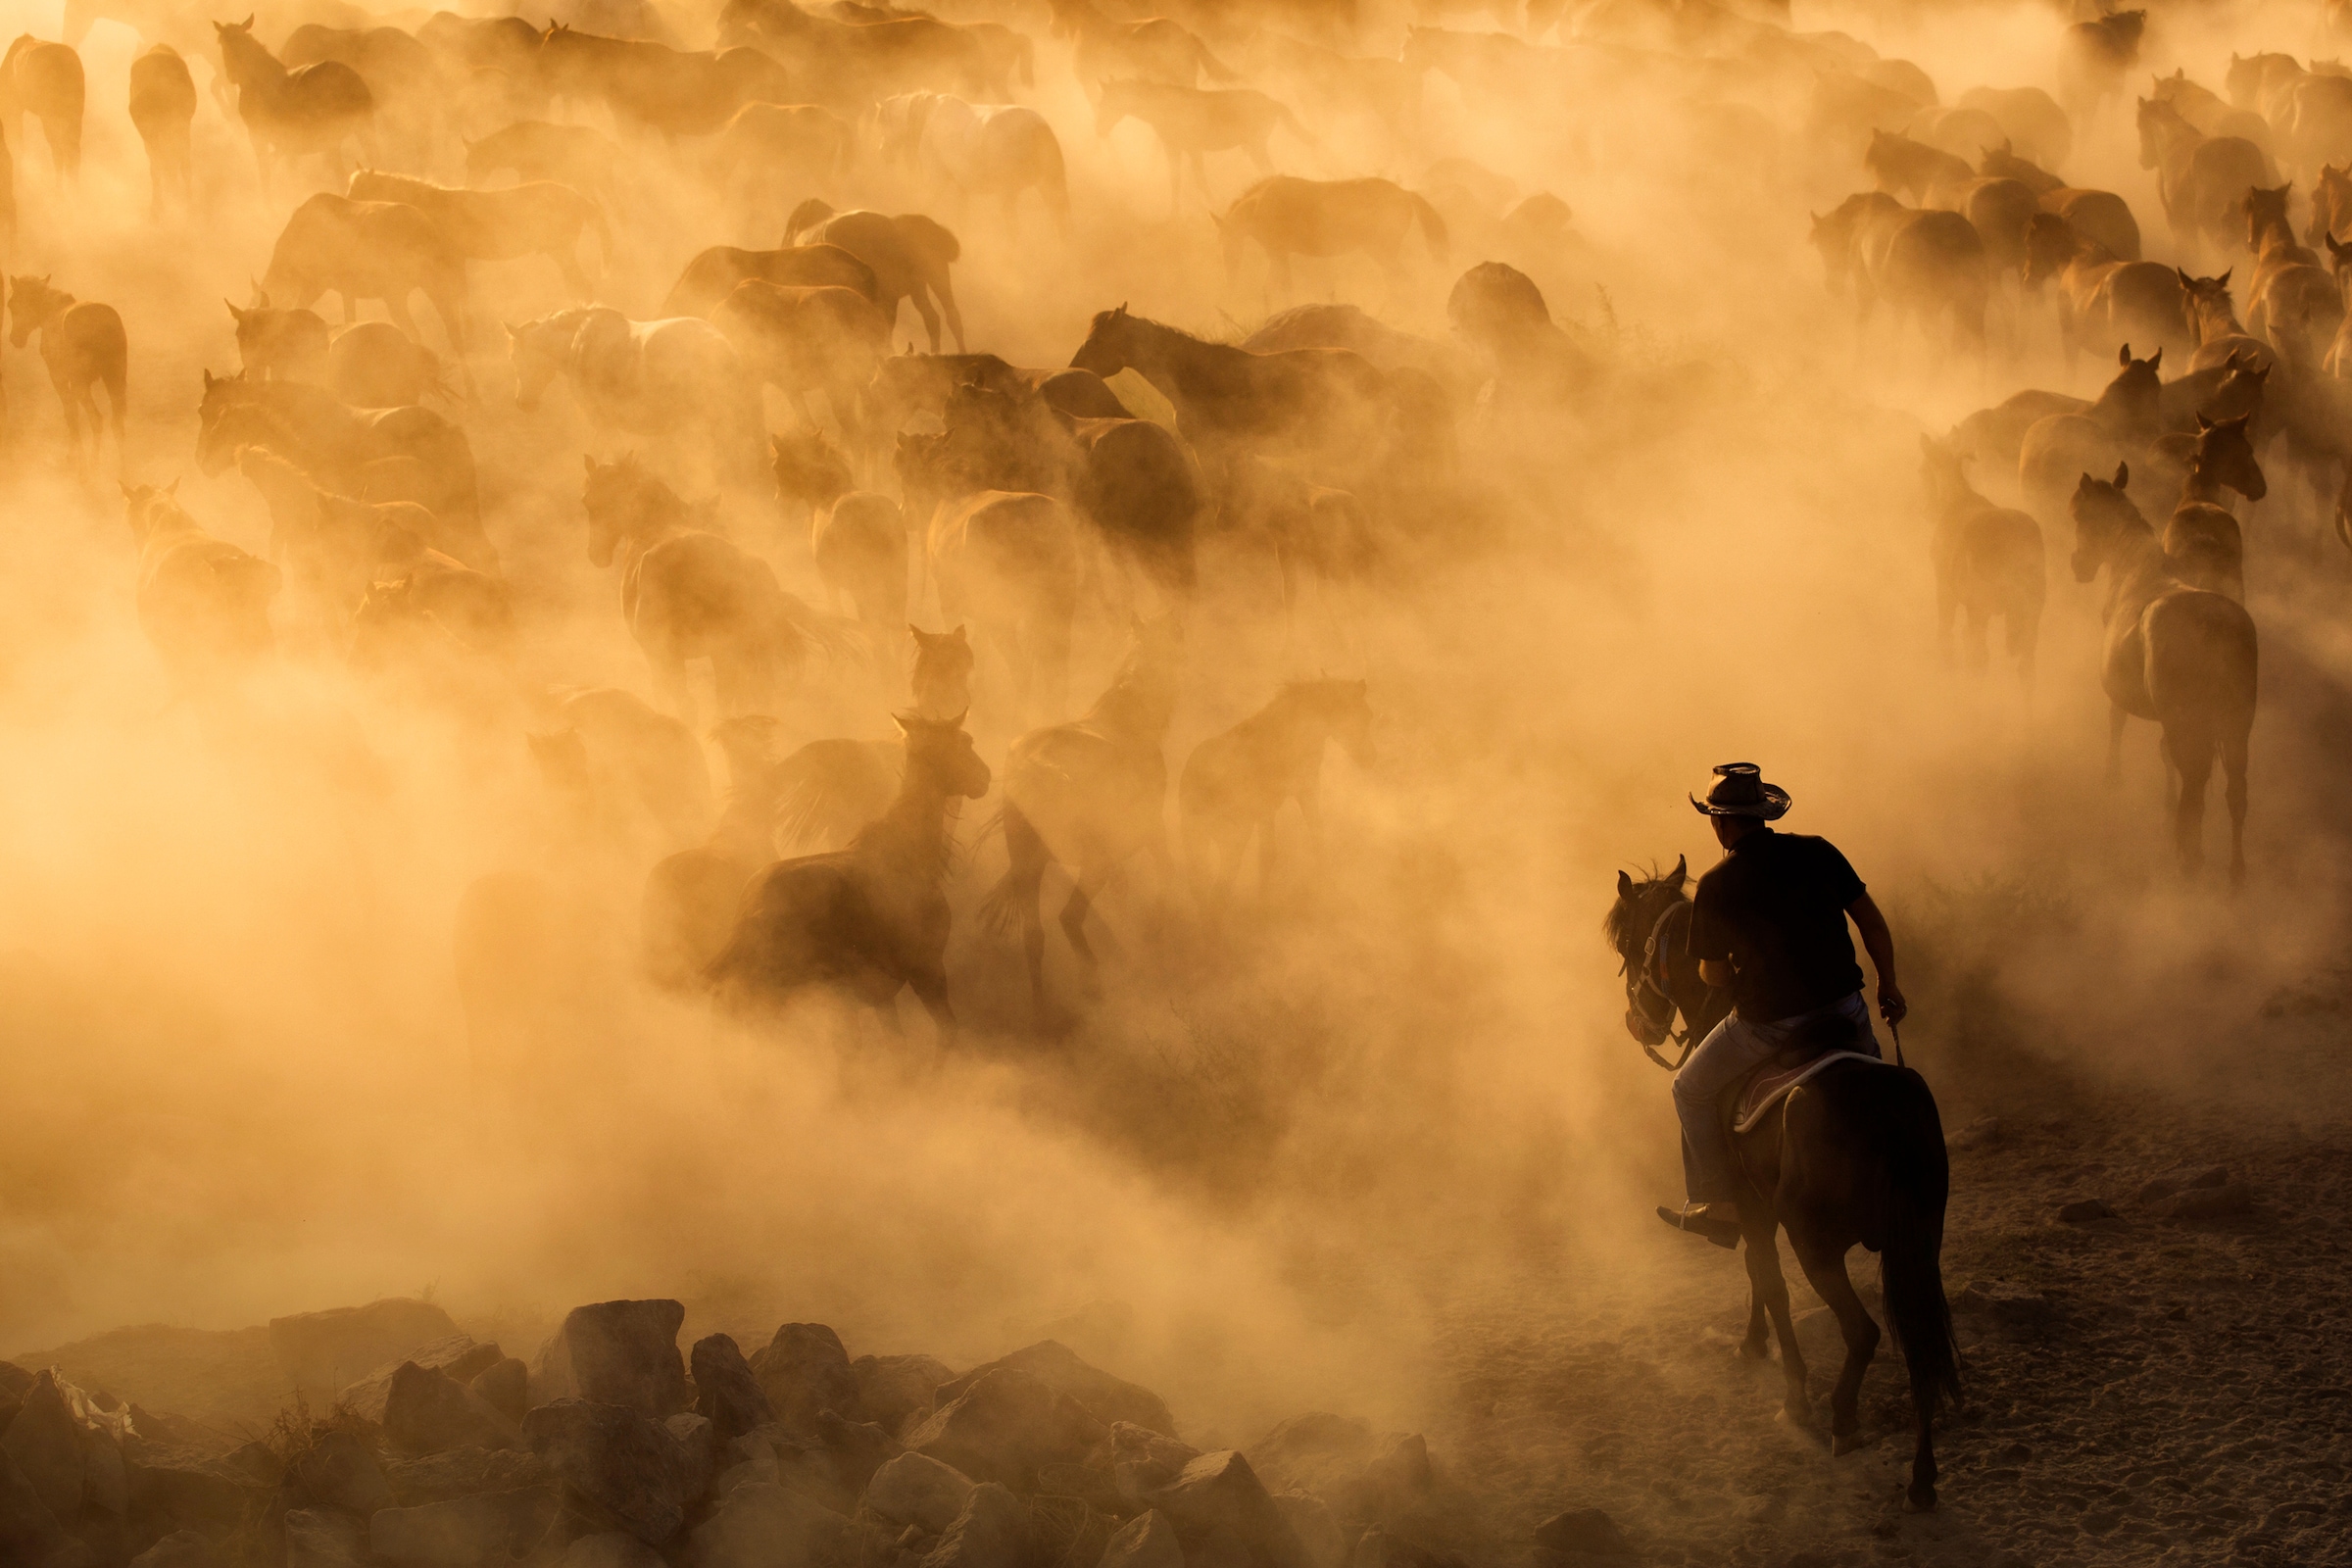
(292, 114)
(713, 273)
(1989, 562)
(163, 107)
(1852, 1157)
(870, 919)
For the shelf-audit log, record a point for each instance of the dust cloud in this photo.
(1294, 1137)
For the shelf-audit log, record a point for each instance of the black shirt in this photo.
(1776, 906)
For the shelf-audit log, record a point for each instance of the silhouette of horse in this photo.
(374, 364)
(292, 114)
(576, 156)
(909, 254)
(83, 346)
(986, 151)
(677, 383)
(1913, 171)
(403, 76)
(1989, 562)
(1314, 531)
(871, 919)
(2095, 58)
(1089, 794)
(44, 80)
(538, 218)
(338, 545)
(804, 341)
(2203, 546)
(1155, 49)
(371, 250)
(2182, 656)
(2293, 301)
(1292, 217)
(653, 88)
(202, 602)
(1007, 561)
(1193, 123)
(2201, 178)
(692, 896)
(281, 345)
(163, 108)
(1852, 1157)
(2220, 335)
(2121, 423)
(1236, 783)
(2103, 302)
(858, 538)
(713, 273)
(854, 63)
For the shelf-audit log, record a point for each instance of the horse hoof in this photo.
(1921, 1498)
(1753, 1351)
(1845, 1443)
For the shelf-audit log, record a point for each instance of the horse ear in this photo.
(905, 726)
(1625, 886)
(2123, 475)
(1681, 869)
(2223, 279)
(128, 493)
(588, 462)
(246, 23)
(2123, 355)
(2156, 360)
(234, 313)
(208, 379)
(2203, 424)
(958, 634)
(172, 488)
(2186, 281)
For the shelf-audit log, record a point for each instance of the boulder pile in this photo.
(613, 1448)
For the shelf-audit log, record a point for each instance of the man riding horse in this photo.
(1769, 923)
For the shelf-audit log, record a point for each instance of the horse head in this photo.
(621, 499)
(942, 671)
(940, 754)
(31, 304)
(808, 468)
(538, 350)
(1630, 925)
(2225, 456)
(2264, 211)
(2104, 514)
(1105, 349)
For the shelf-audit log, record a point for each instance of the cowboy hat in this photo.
(1740, 791)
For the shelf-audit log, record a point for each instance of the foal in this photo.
(83, 345)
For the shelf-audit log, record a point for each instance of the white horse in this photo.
(977, 150)
(650, 381)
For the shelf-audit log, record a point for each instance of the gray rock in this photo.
(617, 1352)
(1378, 1549)
(918, 1489)
(855, 1449)
(321, 1538)
(1107, 1399)
(616, 1460)
(464, 1530)
(698, 1451)
(893, 1390)
(431, 1412)
(505, 1386)
(2083, 1210)
(725, 1390)
(46, 1441)
(769, 1527)
(105, 1481)
(1147, 1541)
(338, 1472)
(458, 1355)
(1005, 1426)
(1360, 1474)
(1311, 1521)
(29, 1532)
(464, 1473)
(1219, 1494)
(803, 1371)
(993, 1531)
(1588, 1530)
(2207, 1202)
(2181, 1180)
(1142, 1462)
(182, 1548)
(611, 1549)
(2004, 1303)
(191, 1494)
(323, 1353)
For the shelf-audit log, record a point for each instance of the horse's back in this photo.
(2202, 659)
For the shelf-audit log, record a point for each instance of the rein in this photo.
(1649, 981)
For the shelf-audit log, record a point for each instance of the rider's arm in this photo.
(1878, 943)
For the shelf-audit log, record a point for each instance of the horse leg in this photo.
(2115, 744)
(945, 289)
(575, 276)
(1825, 1270)
(2192, 756)
(1084, 889)
(921, 299)
(1756, 1346)
(1771, 1288)
(930, 987)
(2233, 770)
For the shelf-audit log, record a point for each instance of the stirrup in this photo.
(1695, 1220)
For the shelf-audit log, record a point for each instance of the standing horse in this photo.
(1155, 49)
(1854, 1155)
(1193, 123)
(1287, 217)
(538, 218)
(44, 80)
(2203, 546)
(1090, 795)
(2185, 658)
(978, 151)
(1236, 783)
(910, 255)
(677, 381)
(290, 115)
(83, 346)
(371, 250)
(870, 919)
(2202, 179)
(1989, 562)
(162, 106)
(2102, 301)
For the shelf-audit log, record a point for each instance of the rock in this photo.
(2083, 1210)
(1003, 1426)
(105, 1483)
(1584, 1530)
(431, 1412)
(698, 1451)
(613, 1549)
(616, 1460)
(458, 1357)
(2004, 1303)
(186, 1492)
(1105, 1398)
(1065, 1529)
(2207, 1202)
(505, 1386)
(856, 1450)
(182, 1548)
(725, 1389)
(805, 1371)
(769, 1527)
(321, 1538)
(338, 1472)
(1147, 1541)
(993, 1531)
(29, 1532)
(1340, 1460)
(893, 1389)
(918, 1489)
(46, 1441)
(1317, 1531)
(324, 1353)
(617, 1352)
(1377, 1548)
(2178, 1180)
(1981, 1133)
(1142, 1462)
(463, 1530)
(1219, 1491)
(1095, 1484)
(464, 1473)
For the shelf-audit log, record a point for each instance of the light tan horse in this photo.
(1007, 563)
(44, 80)
(202, 602)
(1287, 216)
(82, 344)
(162, 106)
(538, 218)
(1193, 123)
(1989, 562)
(911, 257)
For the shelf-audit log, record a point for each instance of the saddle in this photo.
(1819, 1045)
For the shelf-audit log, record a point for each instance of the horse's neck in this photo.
(2200, 485)
(1135, 709)
(2276, 238)
(912, 835)
(2217, 318)
(2140, 570)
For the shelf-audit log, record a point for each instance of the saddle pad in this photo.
(1765, 1089)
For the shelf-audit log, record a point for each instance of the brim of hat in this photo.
(1774, 805)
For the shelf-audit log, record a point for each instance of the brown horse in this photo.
(281, 345)
(290, 115)
(2119, 424)
(1912, 169)
(1090, 795)
(538, 218)
(677, 383)
(202, 602)
(692, 896)
(162, 107)
(2202, 179)
(44, 80)
(403, 76)
(2203, 546)
(1852, 1157)
(85, 348)
(1235, 784)
(805, 341)
(713, 273)
(2293, 301)
(1154, 49)
(1989, 562)
(910, 255)
(870, 919)
(2104, 302)
(371, 251)
(1008, 562)
(1287, 217)
(2095, 58)
(1193, 122)
(2185, 658)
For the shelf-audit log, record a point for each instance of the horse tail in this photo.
(1433, 226)
(1012, 902)
(1910, 1265)
(827, 789)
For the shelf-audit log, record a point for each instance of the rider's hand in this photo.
(1891, 1005)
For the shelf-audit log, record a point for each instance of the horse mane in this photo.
(1617, 923)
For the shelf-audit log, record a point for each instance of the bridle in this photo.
(1650, 1007)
